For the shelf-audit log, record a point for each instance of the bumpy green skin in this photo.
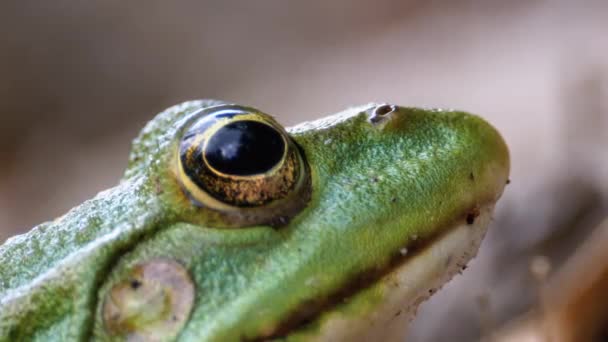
(375, 188)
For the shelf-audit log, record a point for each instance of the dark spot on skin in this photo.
(307, 321)
(431, 291)
(508, 181)
(448, 260)
(472, 215)
(174, 318)
(464, 267)
(157, 186)
(398, 313)
(279, 221)
(135, 284)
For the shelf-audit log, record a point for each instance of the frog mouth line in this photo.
(310, 312)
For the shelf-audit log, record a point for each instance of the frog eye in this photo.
(237, 157)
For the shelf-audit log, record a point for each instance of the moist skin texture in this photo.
(415, 279)
(324, 263)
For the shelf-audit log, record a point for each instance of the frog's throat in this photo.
(404, 285)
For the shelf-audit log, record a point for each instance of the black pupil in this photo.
(244, 148)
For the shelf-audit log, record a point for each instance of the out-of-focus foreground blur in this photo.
(79, 79)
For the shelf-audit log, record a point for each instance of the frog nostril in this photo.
(382, 111)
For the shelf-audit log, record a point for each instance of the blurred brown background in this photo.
(79, 79)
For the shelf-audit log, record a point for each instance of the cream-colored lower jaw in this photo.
(401, 291)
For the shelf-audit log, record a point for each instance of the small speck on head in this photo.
(280, 221)
(158, 188)
(472, 215)
(135, 284)
(448, 260)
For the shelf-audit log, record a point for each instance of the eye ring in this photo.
(240, 162)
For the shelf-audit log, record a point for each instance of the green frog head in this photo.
(228, 227)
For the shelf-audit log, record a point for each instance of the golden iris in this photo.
(237, 157)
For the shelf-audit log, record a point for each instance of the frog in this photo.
(226, 226)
